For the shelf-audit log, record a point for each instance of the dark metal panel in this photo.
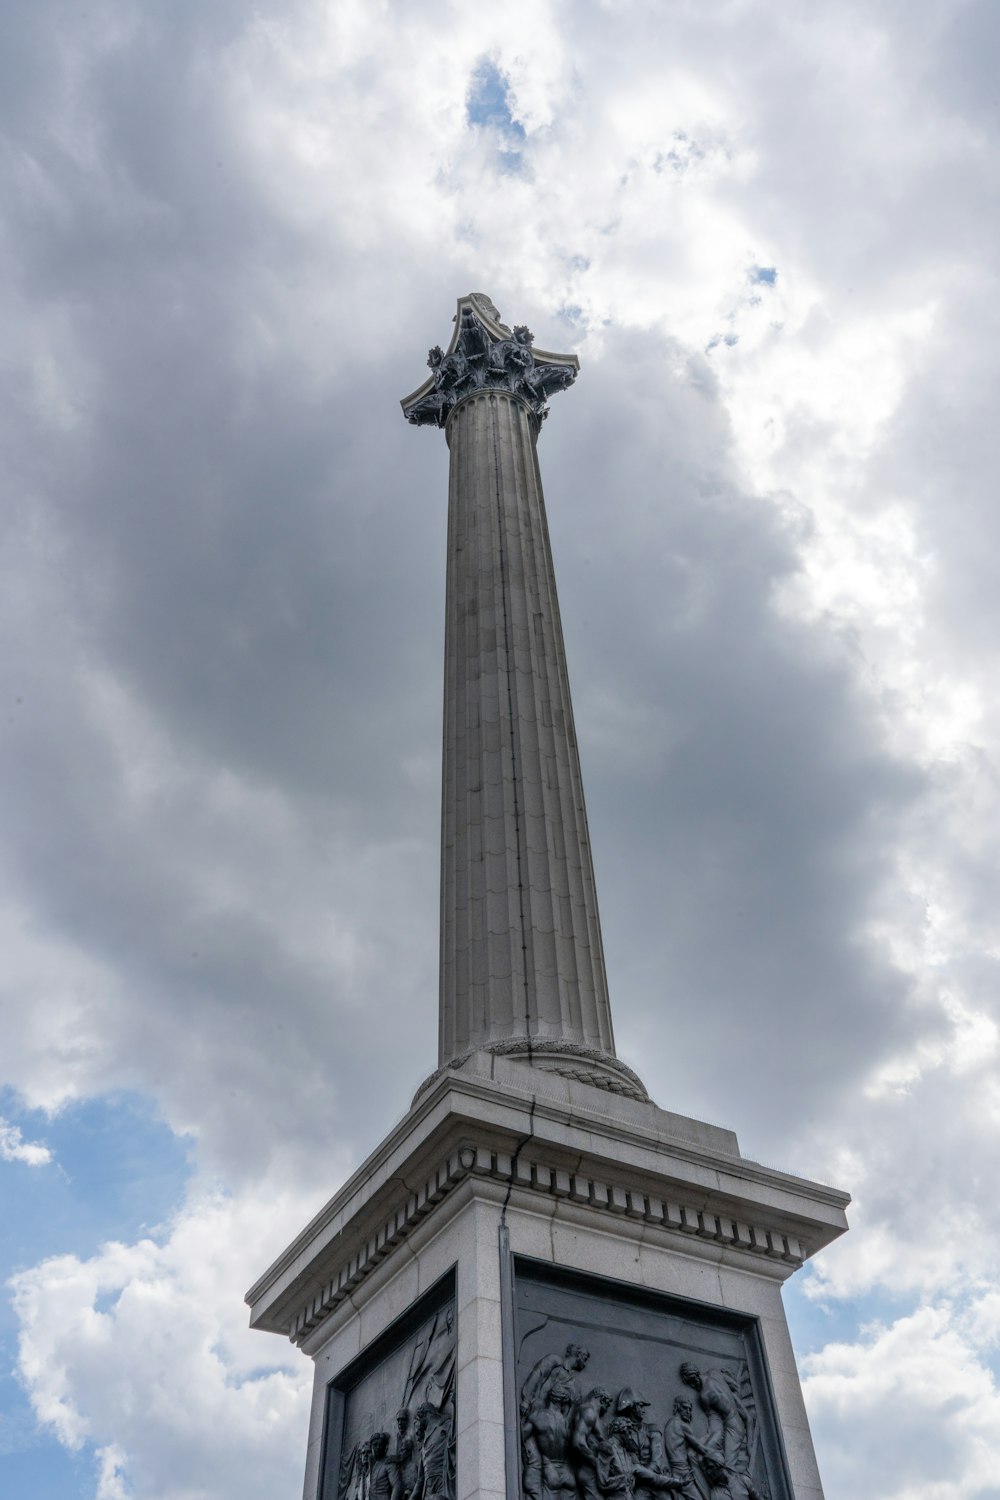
(390, 1414)
(629, 1391)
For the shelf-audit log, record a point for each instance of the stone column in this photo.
(522, 965)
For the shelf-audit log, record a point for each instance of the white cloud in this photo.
(111, 1481)
(13, 1147)
(143, 1351)
(921, 1408)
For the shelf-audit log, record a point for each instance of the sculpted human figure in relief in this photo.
(432, 1432)
(404, 1458)
(588, 1434)
(621, 1472)
(362, 1471)
(548, 1474)
(679, 1442)
(431, 1377)
(380, 1472)
(728, 1418)
(549, 1369)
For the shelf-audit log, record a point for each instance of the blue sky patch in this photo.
(762, 275)
(45, 1470)
(488, 107)
(813, 1323)
(117, 1173)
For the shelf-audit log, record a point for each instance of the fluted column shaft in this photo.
(521, 953)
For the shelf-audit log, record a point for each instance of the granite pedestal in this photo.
(510, 1215)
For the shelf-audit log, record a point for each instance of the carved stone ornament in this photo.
(398, 1434)
(609, 1416)
(487, 355)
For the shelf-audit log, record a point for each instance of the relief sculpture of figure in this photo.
(360, 1466)
(729, 1442)
(420, 1463)
(545, 1434)
(679, 1441)
(549, 1369)
(404, 1458)
(588, 1434)
(727, 1484)
(728, 1418)
(380, 1473)
(644, 1442)
(615, 1461)
(620, 1469)
(432, 1431)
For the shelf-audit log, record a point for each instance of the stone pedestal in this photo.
(509, 1216)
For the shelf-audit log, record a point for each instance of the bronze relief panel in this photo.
(390, 1427)
(625, 1393)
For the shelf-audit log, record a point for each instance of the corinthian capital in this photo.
(484, 354)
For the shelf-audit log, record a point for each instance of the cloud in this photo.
(921, 1406)
(143, 1350)
(13, 1147)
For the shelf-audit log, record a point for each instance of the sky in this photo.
(228, 236)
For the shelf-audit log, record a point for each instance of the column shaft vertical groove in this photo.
(521, 953)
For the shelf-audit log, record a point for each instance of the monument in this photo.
(540, 1285)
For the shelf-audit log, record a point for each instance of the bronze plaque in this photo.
(390, 1420)
(623, 1392)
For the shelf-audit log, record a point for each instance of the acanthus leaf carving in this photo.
(481, 361)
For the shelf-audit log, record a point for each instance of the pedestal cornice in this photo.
(494, 1126)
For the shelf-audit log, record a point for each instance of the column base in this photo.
(567, 1059)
